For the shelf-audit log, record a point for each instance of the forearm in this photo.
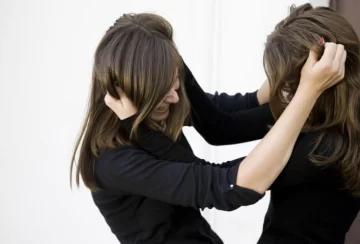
(234, 103)
(162, 147)
(263, 165)
(221, 128)
(192, 184)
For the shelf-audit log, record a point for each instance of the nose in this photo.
(172, 97)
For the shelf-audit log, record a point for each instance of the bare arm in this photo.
(263, 94)
(283, 134)
(278, 144)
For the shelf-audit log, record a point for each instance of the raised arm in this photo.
(162, 147)
(238, 102)
(218, 127)
(234, 103)
(259, 170)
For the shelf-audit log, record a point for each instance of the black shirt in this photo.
(153, 194)
(308, 203)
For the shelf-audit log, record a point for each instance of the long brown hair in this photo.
(337, 111)
(138, 55)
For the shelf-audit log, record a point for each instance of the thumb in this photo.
(126, 102)
(312, 58)
(111, 101)
(108, 99)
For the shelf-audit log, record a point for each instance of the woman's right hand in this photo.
(319, 75)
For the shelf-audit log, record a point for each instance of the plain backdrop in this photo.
(46, 55)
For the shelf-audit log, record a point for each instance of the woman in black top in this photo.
(145, 199)
(310, 203)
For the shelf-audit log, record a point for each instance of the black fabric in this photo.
(307, 204)
(212, 123)
(152, 193)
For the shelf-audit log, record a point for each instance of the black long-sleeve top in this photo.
(308, 203)
(152, 194)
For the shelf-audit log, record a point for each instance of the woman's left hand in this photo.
(123, 107)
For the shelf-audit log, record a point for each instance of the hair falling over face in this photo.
(138, 55)
(336, 113)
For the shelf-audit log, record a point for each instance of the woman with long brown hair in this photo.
(145, 199)
(319, 191)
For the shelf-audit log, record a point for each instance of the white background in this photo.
(46, 56)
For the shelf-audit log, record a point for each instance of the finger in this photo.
(124, 99)
(120, 91)
(343, 62)
(341, 68)
(329, 52)
(339, 55)
(109, 100)
(342, 75)
(114, 104)
(343, 58)
(312, 58)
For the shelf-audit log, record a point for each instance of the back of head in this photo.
(138, 55)
(338, 108)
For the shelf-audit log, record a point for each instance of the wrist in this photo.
(308, 91)
(128, 123)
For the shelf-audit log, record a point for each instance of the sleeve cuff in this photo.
(128, 123)
(253, 100)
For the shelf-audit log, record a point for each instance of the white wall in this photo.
(45, 66)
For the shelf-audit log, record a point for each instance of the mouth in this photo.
(160, 115)
(162, 109)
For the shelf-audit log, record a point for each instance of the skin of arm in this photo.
(283, 134)
(263, 94)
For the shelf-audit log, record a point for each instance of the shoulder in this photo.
(116, 161)
(321, 143)
(300, 169)
(118, 156)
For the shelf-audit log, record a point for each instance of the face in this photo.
(162, 110)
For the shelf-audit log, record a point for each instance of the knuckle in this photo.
(327, 67)
(340, 46)
(334, 69)
(331, 45)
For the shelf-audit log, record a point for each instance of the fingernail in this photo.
(321, 40)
